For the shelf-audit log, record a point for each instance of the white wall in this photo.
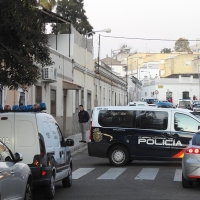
(175, 85)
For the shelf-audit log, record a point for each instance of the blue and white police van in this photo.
(36, 134)
(126, 133)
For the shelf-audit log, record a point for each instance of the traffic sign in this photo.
(156, 92)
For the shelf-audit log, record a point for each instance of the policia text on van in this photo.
(124, 133)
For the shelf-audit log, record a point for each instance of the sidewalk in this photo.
(78, 146)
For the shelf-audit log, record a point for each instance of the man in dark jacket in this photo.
(83, 117)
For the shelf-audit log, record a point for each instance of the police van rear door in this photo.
(153, 131)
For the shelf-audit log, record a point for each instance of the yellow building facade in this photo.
(180, 64)
(169, 63)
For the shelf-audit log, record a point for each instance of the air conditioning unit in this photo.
(49, 74)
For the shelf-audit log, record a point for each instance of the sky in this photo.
(149, 19)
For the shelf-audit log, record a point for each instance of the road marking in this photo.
(112, 173)
(147, 174)
(81, 172)
(178, 175)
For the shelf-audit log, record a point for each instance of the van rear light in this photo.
(37, 163)
(42, 148)
(192, 151)
(90, 136)
(44, 173)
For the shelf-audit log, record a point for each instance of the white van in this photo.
(38, 137)
(126, 133)
(185, 103)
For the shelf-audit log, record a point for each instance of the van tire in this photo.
(28, 191)
(118, 155)
(49, 190)
(186, 183)
(67, 181)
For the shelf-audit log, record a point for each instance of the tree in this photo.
(182, 45)
(74, 12)
(166, 50)
(23, 45)
(48, 4)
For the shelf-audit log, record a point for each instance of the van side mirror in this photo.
(18, 157)
(69, 142)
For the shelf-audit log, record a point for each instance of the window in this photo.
(117, 118)
(53, 102)
(187, 63)
(38, 94)
(185, 123)
(22, 98)
(104, 97)
(151, 120)
(186, 95)
(1, 96)
(59, 133)
(82, 97)
(77, 100)
(109, 98)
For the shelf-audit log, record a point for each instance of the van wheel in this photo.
(28, 191)
(118, 156)
(49, 190)
(67, 181)
(186, 183)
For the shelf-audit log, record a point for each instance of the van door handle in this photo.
(61, 153)
(165, 134)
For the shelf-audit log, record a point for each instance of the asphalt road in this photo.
(96, 179)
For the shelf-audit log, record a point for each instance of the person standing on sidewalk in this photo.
(83, 117)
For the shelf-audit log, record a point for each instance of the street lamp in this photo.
(108, 30)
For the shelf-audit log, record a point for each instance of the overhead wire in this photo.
(130, 38)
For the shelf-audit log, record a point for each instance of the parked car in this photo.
(138, 103)
(191, 162)
(196, 107)
(195, 102)
(160, 104)
(15, 176)
(150, 100)
(28, 129)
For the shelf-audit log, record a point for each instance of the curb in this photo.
(75, 149)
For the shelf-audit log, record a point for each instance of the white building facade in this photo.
(178, 88)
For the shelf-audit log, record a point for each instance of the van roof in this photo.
(131, 108)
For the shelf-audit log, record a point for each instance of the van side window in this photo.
(117, 118)
(59, 132)
(185, 123)
(151, 120)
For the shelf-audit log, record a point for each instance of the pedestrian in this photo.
(83, 117)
